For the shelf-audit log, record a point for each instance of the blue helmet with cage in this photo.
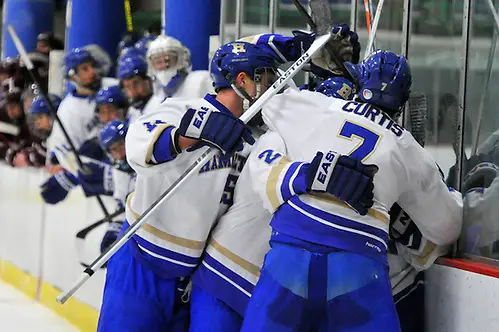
(111, 95)
(236, 57)
(130, 65)
(39, 105)
(113, 132)
(75, 57)
(337, 87)
(384, 79)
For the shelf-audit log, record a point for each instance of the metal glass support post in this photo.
(463, 81)
(272, 15)
(223, 14)
(353, 14)
(406, 33)
(239, 17)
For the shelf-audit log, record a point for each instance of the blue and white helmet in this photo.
(384, 79)
(113, 132)
(236, 57)
(75, 57)
(40, 106)
(143, 44)
(111, 95)
(337, 87)
(130, 65)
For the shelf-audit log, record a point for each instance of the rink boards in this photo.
(38, 240)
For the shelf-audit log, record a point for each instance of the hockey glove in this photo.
(217, 129)
(480, 176)
(344, 177)
(112, 233)
(92, 149)
(96, 179)
(57, 187)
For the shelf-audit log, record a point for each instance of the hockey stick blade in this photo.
(315, 27)
(280, 83)
(83, 233)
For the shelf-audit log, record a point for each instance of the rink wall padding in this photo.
(38, 255)
(76, 312)
(38, 249)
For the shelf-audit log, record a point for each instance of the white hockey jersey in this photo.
(196, 85)
(175, 236)
(77, 114)
(123, 184)
(237, 246)
(152, 105)
(303, 123)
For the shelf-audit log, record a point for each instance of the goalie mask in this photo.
(169, 61)
(236, 57)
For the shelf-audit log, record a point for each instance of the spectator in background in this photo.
(46, 42)
(13, 144)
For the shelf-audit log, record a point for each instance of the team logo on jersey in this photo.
(367, 94)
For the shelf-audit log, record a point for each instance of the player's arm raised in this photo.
(436, 209)
(276, 178)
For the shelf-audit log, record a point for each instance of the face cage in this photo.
(169, 59)
(263, 77)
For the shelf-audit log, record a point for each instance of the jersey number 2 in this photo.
(368, 139)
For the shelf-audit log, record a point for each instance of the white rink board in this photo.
(461, 301)
(40, 239)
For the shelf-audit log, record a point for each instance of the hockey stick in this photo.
(488, 73)
(368, 5)
(281, 82)
(43, 91)
(82, 234)
(8, 128)
(322, 25)
(372, 35)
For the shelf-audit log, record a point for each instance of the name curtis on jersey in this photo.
(374, 114)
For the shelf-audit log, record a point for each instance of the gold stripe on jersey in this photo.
(248, 266)
(272, 182)
(426, 253)
(159, 130)
(190, 244)
(328, 198)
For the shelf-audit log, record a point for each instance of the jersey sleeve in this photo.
(274, 176)
(281, 47)
(436, 209)
(149, 141)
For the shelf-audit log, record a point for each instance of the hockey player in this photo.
(223, 283)
(327, 268)
(337, 87)
(77, 109)
(111, 104)
(142, 277)
(137, 85)
(170, 64)
(112, 139)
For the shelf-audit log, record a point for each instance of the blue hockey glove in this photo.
(344, 177)
(57, 187)
(217, 129)
(302, 41)
(342, 31)
(96, 179)
(112, 233)
(92, 149)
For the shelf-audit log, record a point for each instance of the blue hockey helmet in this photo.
(143, 44)
(236, 57)
(39, 105)
(130, 65)
(111, 95)
(75, 57)
(384, 79)
(113, 132)
(337, 87)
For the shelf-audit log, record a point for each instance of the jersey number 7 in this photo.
(368, 139)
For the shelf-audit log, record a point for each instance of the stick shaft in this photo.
(43, 91)
(372, 35)
(248, 115)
